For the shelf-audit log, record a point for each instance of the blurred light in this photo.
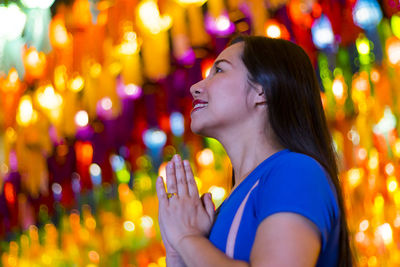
(391, 184)
(206, 66)
(76, 184)
(322, 34)
(150, 17)
(220, 25)
(177, 123)
(26, 115)
(146, 222)
(192, 2)
(12, 22)
(154, 139)
(396, 148)
(375, 76)
(367, 14)
(9, 192)
(37, 3)
(274, 29)
(362, 154)
(363, 45)
(199, 183)
(95, 173)
(389, 168)
(385, 231)
(90, 223)
(364, 225)
(360, 237)
(205, 157)
(396, 222)
(395, 23)
(48, 98)
(218, 193)
(81, 118)
(76, 84)
(34, 62)
(57, 190)
(134, 209)
(361, 82)
(338, 88)
(130, 90)
(393, 50)
(162, 171)
(58, 32)
(354, 176)
(386, 124)
(94, 256)
(95, 70)
(117, 162)
(106, 103)
(130, 44)
(373, 161)
(123, 176)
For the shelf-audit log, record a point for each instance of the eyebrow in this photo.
(222, 60)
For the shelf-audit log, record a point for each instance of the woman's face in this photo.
(221, 101)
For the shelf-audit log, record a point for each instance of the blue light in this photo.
(154, 139)
(177, 123)
(322, 34)
(95, 173)
(117, 162)
(367, 14)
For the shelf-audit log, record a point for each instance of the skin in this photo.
(236, 116)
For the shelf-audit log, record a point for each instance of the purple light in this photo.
(104, 108)
(128, 91)
(219, 26)
(188, 58)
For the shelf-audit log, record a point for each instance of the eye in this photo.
(217, 69)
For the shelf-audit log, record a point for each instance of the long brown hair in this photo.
(295, 109)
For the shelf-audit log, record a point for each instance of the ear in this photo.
(259, 96)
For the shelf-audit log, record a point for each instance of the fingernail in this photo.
(159, 179)
(176, 157)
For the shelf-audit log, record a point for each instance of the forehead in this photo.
(232, 53)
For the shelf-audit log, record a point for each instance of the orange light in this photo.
(94, 256)
(9, 192)
(58, 34)
(375, 76)
(206, 66)
(274, 29)
(34, 62)
(84, 152)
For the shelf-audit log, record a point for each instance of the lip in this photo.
(195, 102)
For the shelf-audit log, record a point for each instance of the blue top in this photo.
(288, 182)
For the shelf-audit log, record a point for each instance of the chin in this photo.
(197, 129)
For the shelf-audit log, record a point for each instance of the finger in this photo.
(180, 176)
(192, 186)
(171, 179)
(209, 205)
(161, 194)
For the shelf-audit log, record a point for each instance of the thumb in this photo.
(209, 205)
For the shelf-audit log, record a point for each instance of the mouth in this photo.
(199, 104)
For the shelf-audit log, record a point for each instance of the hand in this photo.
(184, 214)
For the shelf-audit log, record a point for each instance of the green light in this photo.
(123, 176)
(363, 45)
(395, 23)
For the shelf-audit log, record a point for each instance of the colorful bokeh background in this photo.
(94, 100)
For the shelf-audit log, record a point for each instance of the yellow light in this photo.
(372, 261)
(153, 264)
(146, 222)
(362, 153)
(191, 2)
(81, 118)
(26, 114)
(205, 157)
(391, 183)
(373, 162)
(150, 17)
(129, 226)
(162, 171)
(354, 176)
(13, 75)
(134, 209)
(95, 70)
(60, 77)
(273, 31)
(385, 231)
(379, 203)
(76, 84)
(48, 98)
(94, 256)
(396, 148)
(396, 198)
(199, 183)
(90, 223)
(130, 44)
(161, 261)
(363, 46)
(364, 225)
(375, 76)
(218, 193)
(396, 222)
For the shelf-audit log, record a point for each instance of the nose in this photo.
(196, 89)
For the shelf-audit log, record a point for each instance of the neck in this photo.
(247, 150)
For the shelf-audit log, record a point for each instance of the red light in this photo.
(9, 192)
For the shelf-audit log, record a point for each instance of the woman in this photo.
(261, 100)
